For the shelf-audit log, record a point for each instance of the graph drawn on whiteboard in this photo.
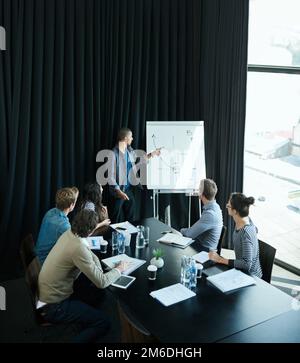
(181, 164)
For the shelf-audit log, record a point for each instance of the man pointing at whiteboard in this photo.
(120, 185)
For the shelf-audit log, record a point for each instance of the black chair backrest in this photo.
(222, 239)
(27, 251)
(31, 276)
(132, 330)
(266, 258)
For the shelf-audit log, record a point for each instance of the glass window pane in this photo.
(274, 32)
(272, 160)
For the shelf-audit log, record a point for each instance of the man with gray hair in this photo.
(207, 230)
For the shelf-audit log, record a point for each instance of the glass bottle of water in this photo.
(193, 274)
(140, 240)
(121, 243)
(185, 271)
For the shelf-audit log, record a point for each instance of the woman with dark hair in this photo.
(92, 200)
(244, 237)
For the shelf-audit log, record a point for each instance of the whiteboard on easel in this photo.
(181, 165)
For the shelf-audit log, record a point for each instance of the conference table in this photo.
(210, 316)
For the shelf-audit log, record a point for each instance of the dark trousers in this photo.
(93, 323)
(123, 210)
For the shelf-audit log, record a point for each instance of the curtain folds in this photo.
(75, 71)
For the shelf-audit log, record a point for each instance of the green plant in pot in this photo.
(157, 258)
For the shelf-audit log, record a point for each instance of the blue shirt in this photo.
(54, 224)
(207, 230)
(120, 169)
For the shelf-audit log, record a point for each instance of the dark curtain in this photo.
(75, 71)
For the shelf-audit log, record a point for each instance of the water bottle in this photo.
(193, 274)
(185, 271)
(121, 243)
(140, 240)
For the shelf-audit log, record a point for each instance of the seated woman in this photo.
(244, 237)
(92, 200)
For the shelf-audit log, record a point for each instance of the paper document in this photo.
(231, 280)
(176, 240)
(201, 257)
(172, 294)
(124, 226)
(135, 263)
(94, 242)
(176, 232)
(39, 304)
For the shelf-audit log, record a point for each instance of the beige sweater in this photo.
(68, 257)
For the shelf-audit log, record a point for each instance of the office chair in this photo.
(41, 329)
(222, 239)
(31, 278)
(32, 268)
(27, 253)
(266, 258)
(132, 330)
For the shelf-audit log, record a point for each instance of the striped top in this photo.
(247, 249)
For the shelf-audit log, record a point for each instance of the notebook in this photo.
(201, 257)
(114, 260)
(175, 240)
(124, 226)
(231, 280)
(172, 294)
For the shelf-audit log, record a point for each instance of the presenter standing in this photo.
(122, 170)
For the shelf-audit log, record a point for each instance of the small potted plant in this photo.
(157, 259)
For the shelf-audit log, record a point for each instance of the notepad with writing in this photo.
(124, 226)
(231, 280)
(176, 240)
(134, 263)
(172, 294)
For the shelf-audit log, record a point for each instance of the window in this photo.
(272, 135)
(274, 32)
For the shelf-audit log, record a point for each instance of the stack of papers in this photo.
(231, 280)
(201, 257)
(124, 226)
(135, 263)
(172, 294)
(176, 240)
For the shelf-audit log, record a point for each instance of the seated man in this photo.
(207, 230)
(70, 256)
(55, 221)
